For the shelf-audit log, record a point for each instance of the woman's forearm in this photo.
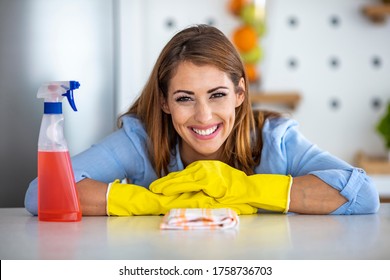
(92, 195)
(311, 195)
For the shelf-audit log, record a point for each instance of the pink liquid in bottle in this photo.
(57, 193)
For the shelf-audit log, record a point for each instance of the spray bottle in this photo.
(57, 193)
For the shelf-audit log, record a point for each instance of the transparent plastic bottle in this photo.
(57, 194)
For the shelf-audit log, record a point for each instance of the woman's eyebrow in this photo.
(216, 88)
(183, 91)
(192, 93)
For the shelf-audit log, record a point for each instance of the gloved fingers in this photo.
(180, 181)
(209, 176)
(174, 187)
(188, 200)
(159, 185)
(202, 200)
(211, 187)
(241, 209)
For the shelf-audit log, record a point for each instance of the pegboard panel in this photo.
(339, 61)
(327, 50)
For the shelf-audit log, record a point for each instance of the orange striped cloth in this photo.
(200, 218)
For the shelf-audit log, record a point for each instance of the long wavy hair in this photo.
(201, 45)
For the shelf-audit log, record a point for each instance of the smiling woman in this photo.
(191, 140)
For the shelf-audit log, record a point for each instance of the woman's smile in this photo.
(207, 132)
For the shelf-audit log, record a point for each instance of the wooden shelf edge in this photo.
(373, 165)
(377, 13)
(288, 99)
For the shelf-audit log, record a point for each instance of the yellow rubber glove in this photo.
(228, 185)
(129, 200)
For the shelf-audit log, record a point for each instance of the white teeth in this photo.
(206, 131)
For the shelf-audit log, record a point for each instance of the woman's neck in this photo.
(189, 155)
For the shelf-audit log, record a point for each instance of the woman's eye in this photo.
(218, 95)
(183, 99)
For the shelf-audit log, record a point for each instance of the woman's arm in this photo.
(92, 196)
(311, 195)
(319, 177)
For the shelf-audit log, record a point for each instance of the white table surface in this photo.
(263, 236)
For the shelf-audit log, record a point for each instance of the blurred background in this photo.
(326, 63)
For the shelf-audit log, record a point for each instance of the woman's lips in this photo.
(206, 132)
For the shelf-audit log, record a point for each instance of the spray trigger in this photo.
(69, 93)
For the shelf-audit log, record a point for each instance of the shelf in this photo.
(373, 165)
(378, 168)
(377, 13)
(288, 99)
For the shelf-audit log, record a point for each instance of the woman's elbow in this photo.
(364, 201)
(367, 199)
(372, 203)
(31, 198)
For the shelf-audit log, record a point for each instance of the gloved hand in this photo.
(128, 200)
(228, 185)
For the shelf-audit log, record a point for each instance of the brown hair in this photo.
(200, 44)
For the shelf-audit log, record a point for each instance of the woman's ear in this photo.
(240, 96)
(164, 105)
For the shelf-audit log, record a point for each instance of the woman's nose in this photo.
(203, 112)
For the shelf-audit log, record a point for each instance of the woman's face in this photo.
(202, 102)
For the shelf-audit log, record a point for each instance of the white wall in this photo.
(73, 40)
(313, 42)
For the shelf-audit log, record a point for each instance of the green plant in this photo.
(383, 127)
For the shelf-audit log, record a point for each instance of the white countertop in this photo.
(262, 236)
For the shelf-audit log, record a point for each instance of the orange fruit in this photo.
(251, 72)
(245, 38)
(235, 6)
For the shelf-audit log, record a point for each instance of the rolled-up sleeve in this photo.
(357, 188)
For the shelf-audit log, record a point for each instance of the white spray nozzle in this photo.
(55, 91)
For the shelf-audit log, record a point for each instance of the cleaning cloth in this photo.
(200, 218)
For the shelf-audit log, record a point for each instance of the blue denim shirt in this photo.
(123, 154)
